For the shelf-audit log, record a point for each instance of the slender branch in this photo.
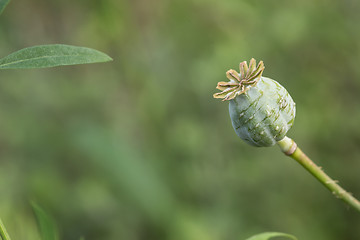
(289, 147)
(3, 233)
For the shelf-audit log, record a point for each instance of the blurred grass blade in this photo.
(3, 4)
(3, 233)
(268, 235)
(51, 56)
(48, 230)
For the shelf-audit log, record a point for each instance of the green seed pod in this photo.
(261, 110)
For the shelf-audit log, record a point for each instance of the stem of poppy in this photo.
(289, 147)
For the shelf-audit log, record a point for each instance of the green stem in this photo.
(289, 147)
(3, 233)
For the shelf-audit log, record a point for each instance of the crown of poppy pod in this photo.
(240, 82)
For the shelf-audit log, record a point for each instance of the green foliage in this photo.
(44, 56)
(3, 233)
(47, 227)
(3, 4)
(268, 235)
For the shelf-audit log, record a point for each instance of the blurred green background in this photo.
(138, 149)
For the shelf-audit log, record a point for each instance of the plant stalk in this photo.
(3, 233)
(289, 147)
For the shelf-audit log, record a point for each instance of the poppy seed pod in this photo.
(261, 110)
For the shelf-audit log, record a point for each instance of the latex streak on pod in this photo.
(261, 110)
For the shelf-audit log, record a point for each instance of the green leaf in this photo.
(48, 230)
(51, 56)
(3, 4)
(268, 235)
(3, 233)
